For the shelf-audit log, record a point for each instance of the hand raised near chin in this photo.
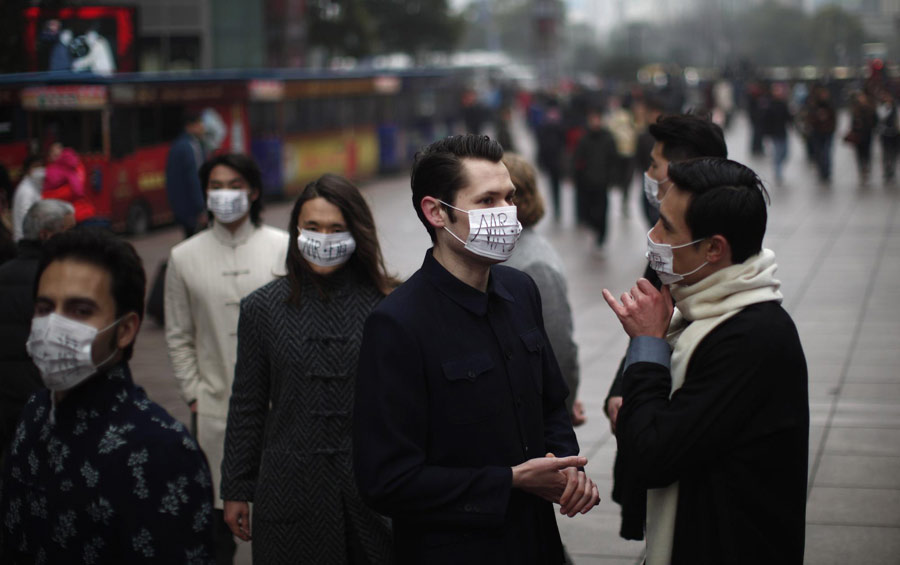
(644, 311)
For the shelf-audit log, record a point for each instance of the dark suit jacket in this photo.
(455, 387)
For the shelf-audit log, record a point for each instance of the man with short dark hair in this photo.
(715, 418)
(461, 433)
(19, 378)
(97, 473)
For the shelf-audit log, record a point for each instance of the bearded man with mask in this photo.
(97, 473)
(206, 279)
(461, 433)
(715, 418)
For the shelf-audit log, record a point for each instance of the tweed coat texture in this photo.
(288, 440)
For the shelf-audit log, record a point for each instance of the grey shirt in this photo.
(535, 256)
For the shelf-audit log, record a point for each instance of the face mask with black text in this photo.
(62, 350)
(493, 232)
(326, 249)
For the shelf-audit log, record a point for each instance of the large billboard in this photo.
(90, 39)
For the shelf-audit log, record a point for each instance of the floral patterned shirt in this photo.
(105, 476)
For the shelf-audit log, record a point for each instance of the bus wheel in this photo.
(138, 220)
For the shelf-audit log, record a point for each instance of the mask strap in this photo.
(705, 263)
(454, 207)
(454, 235)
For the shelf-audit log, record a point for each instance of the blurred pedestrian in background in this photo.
(182, 181)
(776, 117)
(551, 153)
(20, 378)
(7, 240)
(97, 472)
(593, 166)
(652, 109)
(503, 128)
(206, 279)
(621, 125)
(65, 178)
(535, 255)
(889, 130)
(28, 191)
(821, 121)
(289, 435)
(863, 120)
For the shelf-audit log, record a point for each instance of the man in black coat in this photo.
(715, 419)
(461, 433)
(19, 376)
(594, 160)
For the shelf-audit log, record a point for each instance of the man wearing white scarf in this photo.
(715, 419)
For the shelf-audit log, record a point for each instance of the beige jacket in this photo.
(207, 277)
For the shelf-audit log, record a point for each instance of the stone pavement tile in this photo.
(816, 432)
(820, 371)
(820, 390)
(866, 414)
(865, 471)
(850, 545)
(871, 391)
(868, 441)
(597, 533)
(889, 356)
(862, 371)
(854, 506)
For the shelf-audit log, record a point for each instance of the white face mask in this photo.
(326, 249)
(62, 350)
(651, 189)
(493, 232)
(662, 259)
(228, 204)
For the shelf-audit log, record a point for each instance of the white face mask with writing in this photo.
(493, 232)
(326, 249)
(62, 350)
(651, 189)
(228, 204)
(662, 260)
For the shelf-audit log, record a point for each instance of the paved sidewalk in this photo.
(838, 250)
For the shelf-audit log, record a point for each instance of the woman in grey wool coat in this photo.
(288, 440)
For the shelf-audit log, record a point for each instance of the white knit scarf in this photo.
(701, 307)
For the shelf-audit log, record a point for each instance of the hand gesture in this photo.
(644, 311)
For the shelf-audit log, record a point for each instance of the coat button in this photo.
(471, 374)
(509, 355)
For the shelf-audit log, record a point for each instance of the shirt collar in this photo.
(239, 237)
(466, 296)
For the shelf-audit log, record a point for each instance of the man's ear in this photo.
(719, 250)
(432, 209)
(128, 329)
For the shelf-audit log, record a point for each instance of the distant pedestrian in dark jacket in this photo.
(183, 187)
(594, 164)
(776, 117)
(863, 120)
(18, 375)
(551, 151)
(889, 128)
(821, 122)
(288, 439)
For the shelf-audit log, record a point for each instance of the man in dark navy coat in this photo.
(182, 178)
(461, 433)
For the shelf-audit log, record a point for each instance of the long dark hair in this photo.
(366, 261)
(244, 166)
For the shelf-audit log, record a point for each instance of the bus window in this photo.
(82, 131)
(13, 124)
(148, 126)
